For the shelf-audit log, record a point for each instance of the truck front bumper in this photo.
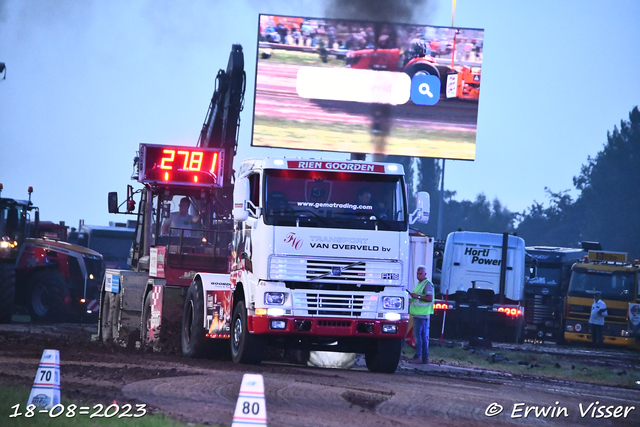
(327, 326)
(606, 339)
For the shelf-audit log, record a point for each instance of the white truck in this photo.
(482, 287)
(306, 269)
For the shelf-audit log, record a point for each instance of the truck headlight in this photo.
(392, 316)
(275, 312)
(274, 298)
(393, 303)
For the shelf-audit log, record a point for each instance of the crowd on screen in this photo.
(354, 36)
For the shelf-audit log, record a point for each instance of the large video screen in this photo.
(367, 87)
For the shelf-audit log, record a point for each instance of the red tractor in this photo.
(415, 60)
(39, 272)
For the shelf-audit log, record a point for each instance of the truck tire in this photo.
(384, 356)
(7, 292)
(109, 317)
(104, 325)
(195, 344)
(49, 299)
(245, 347)
(145, 327)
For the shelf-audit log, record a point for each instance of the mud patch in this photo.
(366, 401)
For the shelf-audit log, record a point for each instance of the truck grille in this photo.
(370, 272)
(538, 309)
(349, 274)
(327, 303)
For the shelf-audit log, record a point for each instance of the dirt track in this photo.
(207, 390)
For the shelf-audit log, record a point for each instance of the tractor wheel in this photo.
(245, 347)
(7, 292)
(384, 355)
(49, 298)
(416, 67)
(194, 342)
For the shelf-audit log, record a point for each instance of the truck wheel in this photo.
(105, 321)
(245, 347)
(145, 327)
(194, 341)
(109, 317)
(49, 298)
(384, 356)
(7, 292)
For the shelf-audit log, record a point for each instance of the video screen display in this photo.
(367, 87)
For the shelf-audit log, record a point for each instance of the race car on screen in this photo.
(465, 80)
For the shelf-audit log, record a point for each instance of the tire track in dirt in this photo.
(310, 397)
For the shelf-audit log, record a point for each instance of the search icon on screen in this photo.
(425, 89)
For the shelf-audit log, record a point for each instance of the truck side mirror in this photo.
(113, 202)
(423, 208)
(241, 197)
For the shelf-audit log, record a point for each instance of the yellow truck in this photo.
(611, 274)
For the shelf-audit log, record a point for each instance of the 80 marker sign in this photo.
(71, 411)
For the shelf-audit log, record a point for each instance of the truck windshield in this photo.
(334, 200)
(114, 247)
(547, 276)
(617, 285)
(12, 220)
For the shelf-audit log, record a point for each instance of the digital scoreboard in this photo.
(180, 165)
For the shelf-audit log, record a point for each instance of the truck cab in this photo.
(547, 280)
(611, 274)
(321, 254)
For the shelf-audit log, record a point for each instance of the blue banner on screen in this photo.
(367, 87)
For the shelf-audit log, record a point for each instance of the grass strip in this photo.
(12, 395)
(551, 366)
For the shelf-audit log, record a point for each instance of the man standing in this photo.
(421, 308)
(598, 313)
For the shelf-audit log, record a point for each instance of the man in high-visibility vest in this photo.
(421, 308)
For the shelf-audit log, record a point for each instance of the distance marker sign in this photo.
(46, 387)
(251, 409)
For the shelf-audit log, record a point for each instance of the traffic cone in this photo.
(251, 409)
(45, 393)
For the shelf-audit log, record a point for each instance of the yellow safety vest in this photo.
(418, 307)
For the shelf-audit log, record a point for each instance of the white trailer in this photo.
(482, 288)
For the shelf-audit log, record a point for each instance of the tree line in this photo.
(606, 209)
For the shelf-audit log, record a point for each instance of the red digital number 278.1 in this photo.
(192, 160)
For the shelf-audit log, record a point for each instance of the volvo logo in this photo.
(336, 271)
(545, 291)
